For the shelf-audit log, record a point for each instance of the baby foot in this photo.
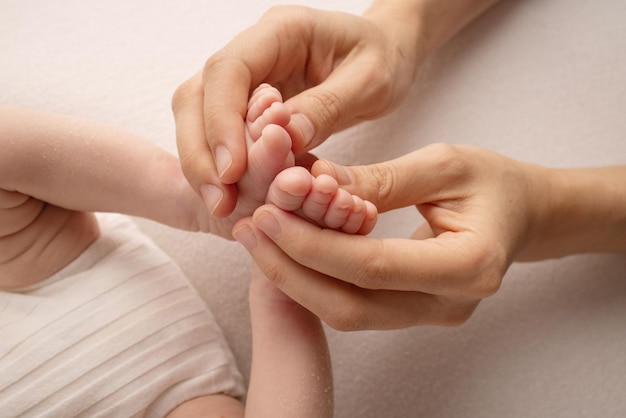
(272, 177)
(319, 199)
(265, 107)
(269, 152)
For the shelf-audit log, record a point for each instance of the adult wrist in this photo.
(400, 20)
(430, 23)
(576, 211)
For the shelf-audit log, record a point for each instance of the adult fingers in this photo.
(360, 74)
(227, 81)
(343, 305)
(360, 87)
(431, 174)
(210, 108)
(226, 89)
(274, 50)
(194, 152)
(451, 264)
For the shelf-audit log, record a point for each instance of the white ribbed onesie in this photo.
(119, 332)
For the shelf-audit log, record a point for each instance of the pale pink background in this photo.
(541, 81)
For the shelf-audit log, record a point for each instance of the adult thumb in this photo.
(413, 179)
(315, 115)
(341, 101)
(387, 185)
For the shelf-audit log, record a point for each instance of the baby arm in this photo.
(80, 165)
(291, 371)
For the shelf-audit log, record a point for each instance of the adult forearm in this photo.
(581, 211)
(427, 24)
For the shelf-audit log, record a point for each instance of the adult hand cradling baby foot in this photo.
(333, 69)
(483, 211)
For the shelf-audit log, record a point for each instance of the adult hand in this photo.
(334, 69)
(482, 212)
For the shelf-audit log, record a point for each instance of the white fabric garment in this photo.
(118, 332)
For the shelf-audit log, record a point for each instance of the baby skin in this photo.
(56, 170)
(43, 197)
(273, 177)
(287, 338)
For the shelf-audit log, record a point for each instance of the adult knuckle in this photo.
(328, 106)
(281, 12)
(275, 272)
(489, 284)
(442, 148)
(309, 251)
(347, 316)
(372, 271)
(450, 159)
(221, 63)
(213, 63)
(386, 178)
(489, 268)
(486, 287)
(284, 20)
(458, 317)
(183, 94)
(375, 271)
(383, 93)
(213, 115)
(457, 313)
(192, 164)
(445, 154)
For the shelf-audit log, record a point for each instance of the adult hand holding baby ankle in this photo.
(333, 69)
(482, 210)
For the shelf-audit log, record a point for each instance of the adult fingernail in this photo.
(223, 159)
(245, 237)
(212, 196)
(306, 127)
(268, 224)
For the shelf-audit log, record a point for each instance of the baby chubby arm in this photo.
(81, 165)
